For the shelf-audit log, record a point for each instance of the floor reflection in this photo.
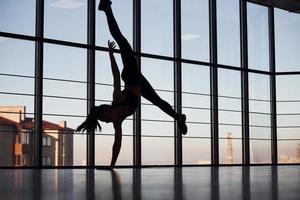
(260, 182)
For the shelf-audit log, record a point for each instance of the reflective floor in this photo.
(257, 182)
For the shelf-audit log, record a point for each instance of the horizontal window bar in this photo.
(86, 46)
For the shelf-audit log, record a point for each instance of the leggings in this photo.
(131, 74)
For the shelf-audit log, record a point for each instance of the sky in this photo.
(66, 20)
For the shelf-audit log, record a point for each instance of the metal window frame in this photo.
(38, 85)
(91, 40)
(137, 124)
(273, 106)
(244, 82)
(214, 83)
(177, 79)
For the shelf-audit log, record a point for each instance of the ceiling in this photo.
(289, 5)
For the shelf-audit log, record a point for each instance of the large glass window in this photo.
(65, 82)
(287, 48)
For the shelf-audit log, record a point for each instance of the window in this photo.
(26, 137)
(46, 161)
(67, 72)
(47, 141)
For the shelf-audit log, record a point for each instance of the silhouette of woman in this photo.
(125, 101)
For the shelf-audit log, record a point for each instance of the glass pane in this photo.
(195, 30)
(230, 118)
(16, 102)
(288, 133)
(17, 16)
(260, 132)
(287, 40)
(198, 130)
(260, 151)
(288, 95)
(259, 87)
(229, 131)
(152, 128)
(103, 149)
(228, 18)
(258, 37)
(157, 151)
(230, 150)
(157, 15)
(66, 20)
(289, 151)
(196, 151)
(17, 57)
(124, 15)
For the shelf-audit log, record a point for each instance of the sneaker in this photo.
(182, 126)
(103, 4)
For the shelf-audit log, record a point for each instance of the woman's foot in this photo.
(104, 4)
(181, 124)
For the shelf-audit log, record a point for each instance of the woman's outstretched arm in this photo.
(115, 71)
(117, 143)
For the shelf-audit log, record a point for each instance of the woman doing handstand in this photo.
(125, 101)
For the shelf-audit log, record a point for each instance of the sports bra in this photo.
(131, 100)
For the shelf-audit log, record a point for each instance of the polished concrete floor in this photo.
(251, 183)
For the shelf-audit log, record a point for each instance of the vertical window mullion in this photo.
(244, 82)
(91, 77)
(177, 78)
(137, 146)
(38, 87)
(214, 83)
(273, 86)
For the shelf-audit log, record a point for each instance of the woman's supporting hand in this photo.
(111, 46)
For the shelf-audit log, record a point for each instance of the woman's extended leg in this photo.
(149, 93)
(130, 72)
